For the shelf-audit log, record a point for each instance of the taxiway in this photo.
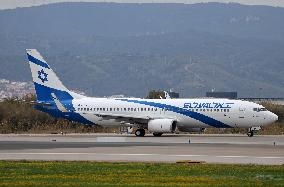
(169, 148)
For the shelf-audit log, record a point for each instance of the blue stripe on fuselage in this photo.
(44, 95)
(38, 62)
(197, 116)
(72, 116)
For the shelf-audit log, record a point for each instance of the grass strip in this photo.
(86, 173)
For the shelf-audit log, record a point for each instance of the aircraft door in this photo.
(162, 111)
(241, 117)
(242, 111)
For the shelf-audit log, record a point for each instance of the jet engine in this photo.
(162, 125)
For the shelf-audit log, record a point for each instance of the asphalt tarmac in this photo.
(268, 150)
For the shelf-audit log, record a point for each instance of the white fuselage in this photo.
(203, 113)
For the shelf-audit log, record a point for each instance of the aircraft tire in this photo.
(140, 132)
(250, 134)
(157, 134)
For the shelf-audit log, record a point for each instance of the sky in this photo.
(10, 4)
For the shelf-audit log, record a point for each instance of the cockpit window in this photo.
(259, 109)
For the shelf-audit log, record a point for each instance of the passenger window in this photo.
(242, 109)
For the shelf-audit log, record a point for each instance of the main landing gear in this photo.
(140, 132)
(157, 134)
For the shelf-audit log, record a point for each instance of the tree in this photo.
(156, 94)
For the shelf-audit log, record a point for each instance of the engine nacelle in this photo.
(190, 129)
(162, 125)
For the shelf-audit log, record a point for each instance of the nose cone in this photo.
(273, 117)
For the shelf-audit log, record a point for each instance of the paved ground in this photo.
(170, 148)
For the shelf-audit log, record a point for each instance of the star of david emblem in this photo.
(42, 76)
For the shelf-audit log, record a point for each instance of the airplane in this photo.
(158, 116)
(167, 95)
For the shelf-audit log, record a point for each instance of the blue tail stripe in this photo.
(44, 95)
(197, 116)
(38, 62)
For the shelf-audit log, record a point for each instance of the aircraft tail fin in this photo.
(46, 82)
(167, 95)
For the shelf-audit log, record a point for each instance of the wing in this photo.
(124, 118)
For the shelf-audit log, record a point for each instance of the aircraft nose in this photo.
(273, 117)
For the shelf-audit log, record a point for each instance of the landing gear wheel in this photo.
(140, 132)
(157, 134)
(250, 134)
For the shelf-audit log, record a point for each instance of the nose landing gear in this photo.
(252, 130)
(250, 133)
